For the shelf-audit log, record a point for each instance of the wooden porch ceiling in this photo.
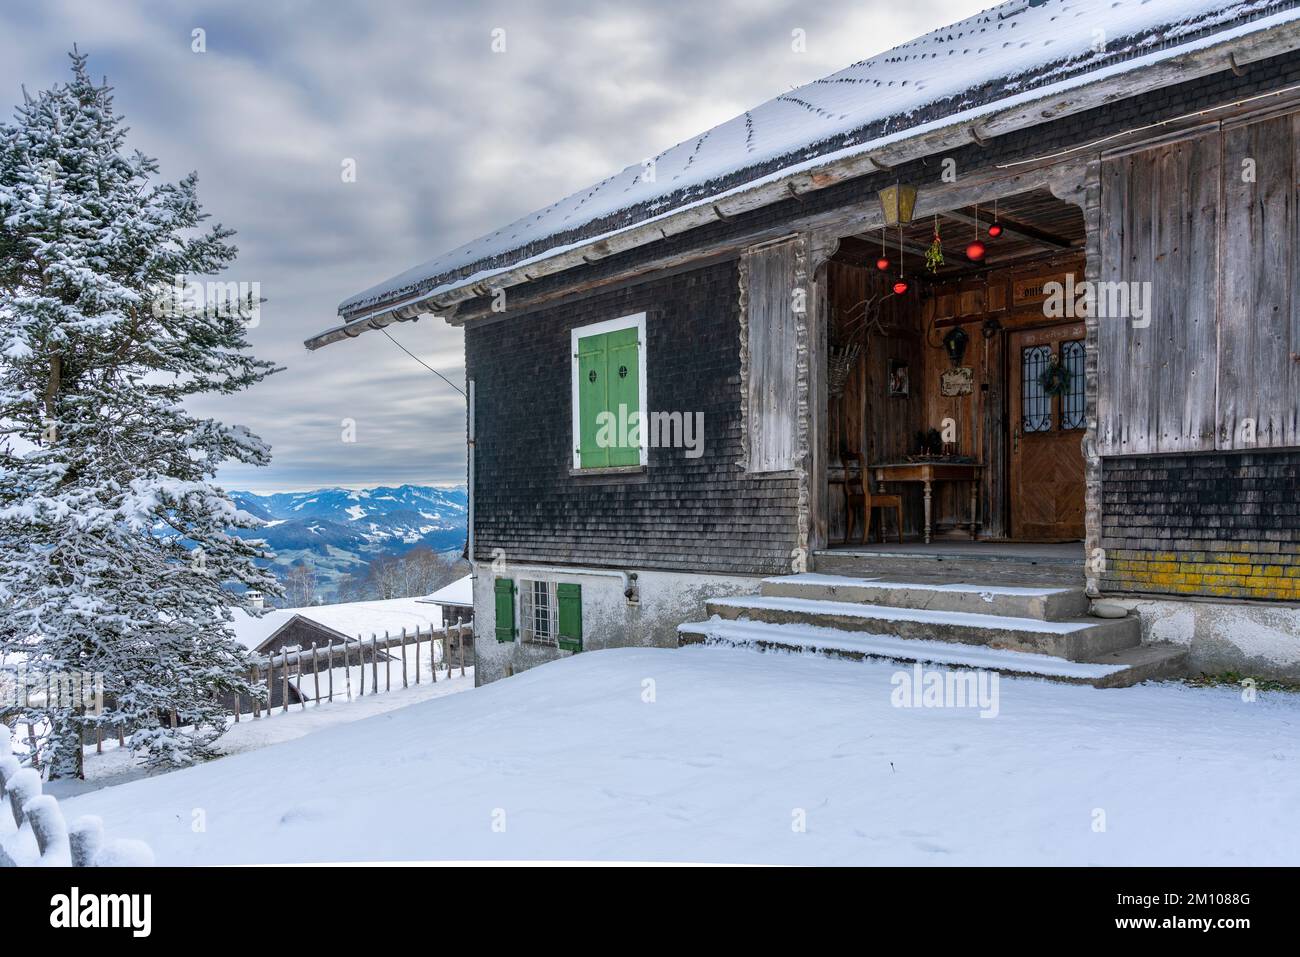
(1034, 224)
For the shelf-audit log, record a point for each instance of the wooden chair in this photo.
(862, 493)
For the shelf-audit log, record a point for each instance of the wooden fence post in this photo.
(388, 664)
(374, 663)
(433, 658)
(417, 653)
(270, 686)
(315, 672)
(460, 645)
(329, 666)
(361, 671)
(302, 693)
(347, 672)
(284, 683)
(404, 656)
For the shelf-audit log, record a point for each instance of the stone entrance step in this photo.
(1116, 669)
(989, 564)
(1041, 603)
(1075, 639)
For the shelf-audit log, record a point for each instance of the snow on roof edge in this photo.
(1170, 26)
(459, 592)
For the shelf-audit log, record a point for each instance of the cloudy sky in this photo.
(450, 140)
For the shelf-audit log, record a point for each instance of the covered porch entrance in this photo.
(955, 409)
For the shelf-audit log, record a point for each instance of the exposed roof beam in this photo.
(891, 246)
(1015, 230)
(966, 271)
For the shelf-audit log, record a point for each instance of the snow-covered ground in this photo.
(711, 754)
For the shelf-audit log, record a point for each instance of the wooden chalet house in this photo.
(1018, 295)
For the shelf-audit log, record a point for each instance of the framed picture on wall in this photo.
(899, 384)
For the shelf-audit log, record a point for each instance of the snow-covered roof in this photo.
(459, 592)
(353, 619)
(950, 74)
(252, 631)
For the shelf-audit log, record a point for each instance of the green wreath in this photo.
(1056, 378)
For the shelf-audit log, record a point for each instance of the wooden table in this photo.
(927, 473)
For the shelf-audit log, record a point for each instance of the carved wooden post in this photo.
(1080, 183)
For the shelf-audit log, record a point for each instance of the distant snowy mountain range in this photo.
(338, 530)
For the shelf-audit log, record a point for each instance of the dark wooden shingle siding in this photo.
(689, 514)
(1225, 525)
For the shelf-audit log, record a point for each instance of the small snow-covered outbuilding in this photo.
(454, 601)
(299, 627)
(1020, 292)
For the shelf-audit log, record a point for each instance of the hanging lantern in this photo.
(900, 286)
(898, 202)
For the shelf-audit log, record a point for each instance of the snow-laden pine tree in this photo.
(114, 541)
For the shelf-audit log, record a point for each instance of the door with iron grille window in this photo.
(1047, 426)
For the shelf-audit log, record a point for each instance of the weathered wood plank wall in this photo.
(768, 273)
(1257, 374)
(1207, 226)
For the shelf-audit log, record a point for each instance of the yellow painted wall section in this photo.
(1243, 572)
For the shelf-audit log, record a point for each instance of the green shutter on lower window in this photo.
(570, 599)
(505, 605)
(593, 399)
(625, 396)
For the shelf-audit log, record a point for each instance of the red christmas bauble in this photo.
(995, 230)
(882, 264)
(975, 251)
(900, 287)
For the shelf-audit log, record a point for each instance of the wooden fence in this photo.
(312, 673)
(33, 830)
(296, 675)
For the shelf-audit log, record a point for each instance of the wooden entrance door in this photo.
(1047, 487)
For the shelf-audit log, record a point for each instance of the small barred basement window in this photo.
(538, 610)
(551, 614)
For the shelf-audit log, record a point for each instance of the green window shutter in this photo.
(570, 636)
(593, 399)
(505, 596)
(625, 395)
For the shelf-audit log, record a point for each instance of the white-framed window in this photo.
(608, 381)
(539, 612)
